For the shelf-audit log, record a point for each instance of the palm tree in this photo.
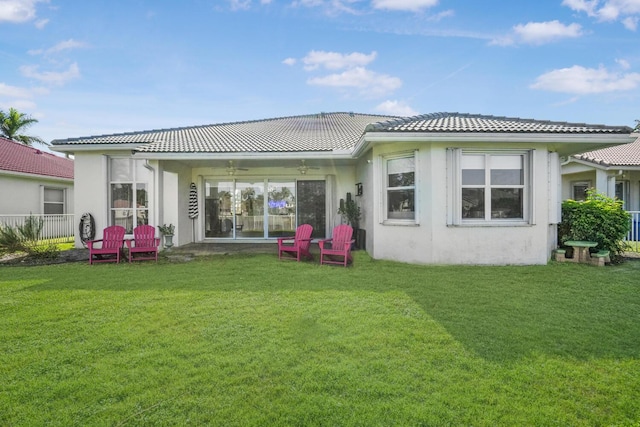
(13, 123)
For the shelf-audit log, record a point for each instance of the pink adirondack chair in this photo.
(110, 244)
(144, 243)
(297, 246)
(337, 249)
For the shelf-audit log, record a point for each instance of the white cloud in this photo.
(18, 11)
(545, 32)
(396, 108)
(14, 91)
(538, 33)
(623, 63)
(582, 81)
(19, 97)
(631, 23)
(369, 83)
(626, 11)
(290, 61)
(59, 47)
(587, 6)
(336, 61)
(41, 23)
(409, 5)
(441, 15)
(330, 7)
(240, 4)
(51, 77)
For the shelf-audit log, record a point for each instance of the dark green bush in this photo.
(599, 219)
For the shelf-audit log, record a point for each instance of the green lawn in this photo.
(246, 340)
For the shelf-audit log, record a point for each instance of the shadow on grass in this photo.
(501, 314)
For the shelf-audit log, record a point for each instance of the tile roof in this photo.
(17, 157)
(323, 132)
(620, 155)
(457, 122)
(316, 132)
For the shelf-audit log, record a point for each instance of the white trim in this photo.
(454, 183)
(385, 158)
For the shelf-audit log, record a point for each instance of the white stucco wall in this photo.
(90, 170)
(22, 194)
(433, 241)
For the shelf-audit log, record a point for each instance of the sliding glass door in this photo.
(236, 209)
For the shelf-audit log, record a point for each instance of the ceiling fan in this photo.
(231, 168)
(303, 167)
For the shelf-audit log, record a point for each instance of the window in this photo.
(129, 188)
(53, 201)
(622, 192)
(579, 190)
(492, 187)
(400, 187)
(263, 208)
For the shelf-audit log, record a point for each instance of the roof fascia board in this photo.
(497, 137)
(599, 140)
(72, 148)
(35, 176)
(246, 155)
(588, 163)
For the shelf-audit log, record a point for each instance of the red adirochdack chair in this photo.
(297, 246)
(111, 244)
(337, 250)
(144, 243)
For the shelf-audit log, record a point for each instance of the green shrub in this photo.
(10, 240)
(599, 219)
(49, 251)
(25, 238)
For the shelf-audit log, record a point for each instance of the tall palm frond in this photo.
(13, 123)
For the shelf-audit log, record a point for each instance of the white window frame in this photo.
(384, 214)
(45, 202)
(134, 183)
(454, 193)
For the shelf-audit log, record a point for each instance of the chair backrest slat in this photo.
(303, 236)
(113, 237)
(341, 235)
(144, 236)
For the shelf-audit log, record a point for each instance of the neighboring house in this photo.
(34, 181)
(614, 171)
(442, 188)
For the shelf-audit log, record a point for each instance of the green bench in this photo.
(600, 258)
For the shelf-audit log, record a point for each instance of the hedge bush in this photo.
(599, 219)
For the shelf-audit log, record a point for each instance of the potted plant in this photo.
(167, 233)
(350, 212)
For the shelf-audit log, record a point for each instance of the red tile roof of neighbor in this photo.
(17, 157)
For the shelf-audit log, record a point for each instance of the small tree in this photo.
(13, 123)
(600, 219)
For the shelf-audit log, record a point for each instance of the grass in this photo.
(246, 340)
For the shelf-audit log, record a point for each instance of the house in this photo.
(34, 181)
(443, 188)
(614, 171)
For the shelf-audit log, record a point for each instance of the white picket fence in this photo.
(55, 228)
(633, 238)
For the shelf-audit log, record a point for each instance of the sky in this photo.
(97, 67)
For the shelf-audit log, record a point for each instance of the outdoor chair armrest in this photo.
(90, 243)
(321, 242)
